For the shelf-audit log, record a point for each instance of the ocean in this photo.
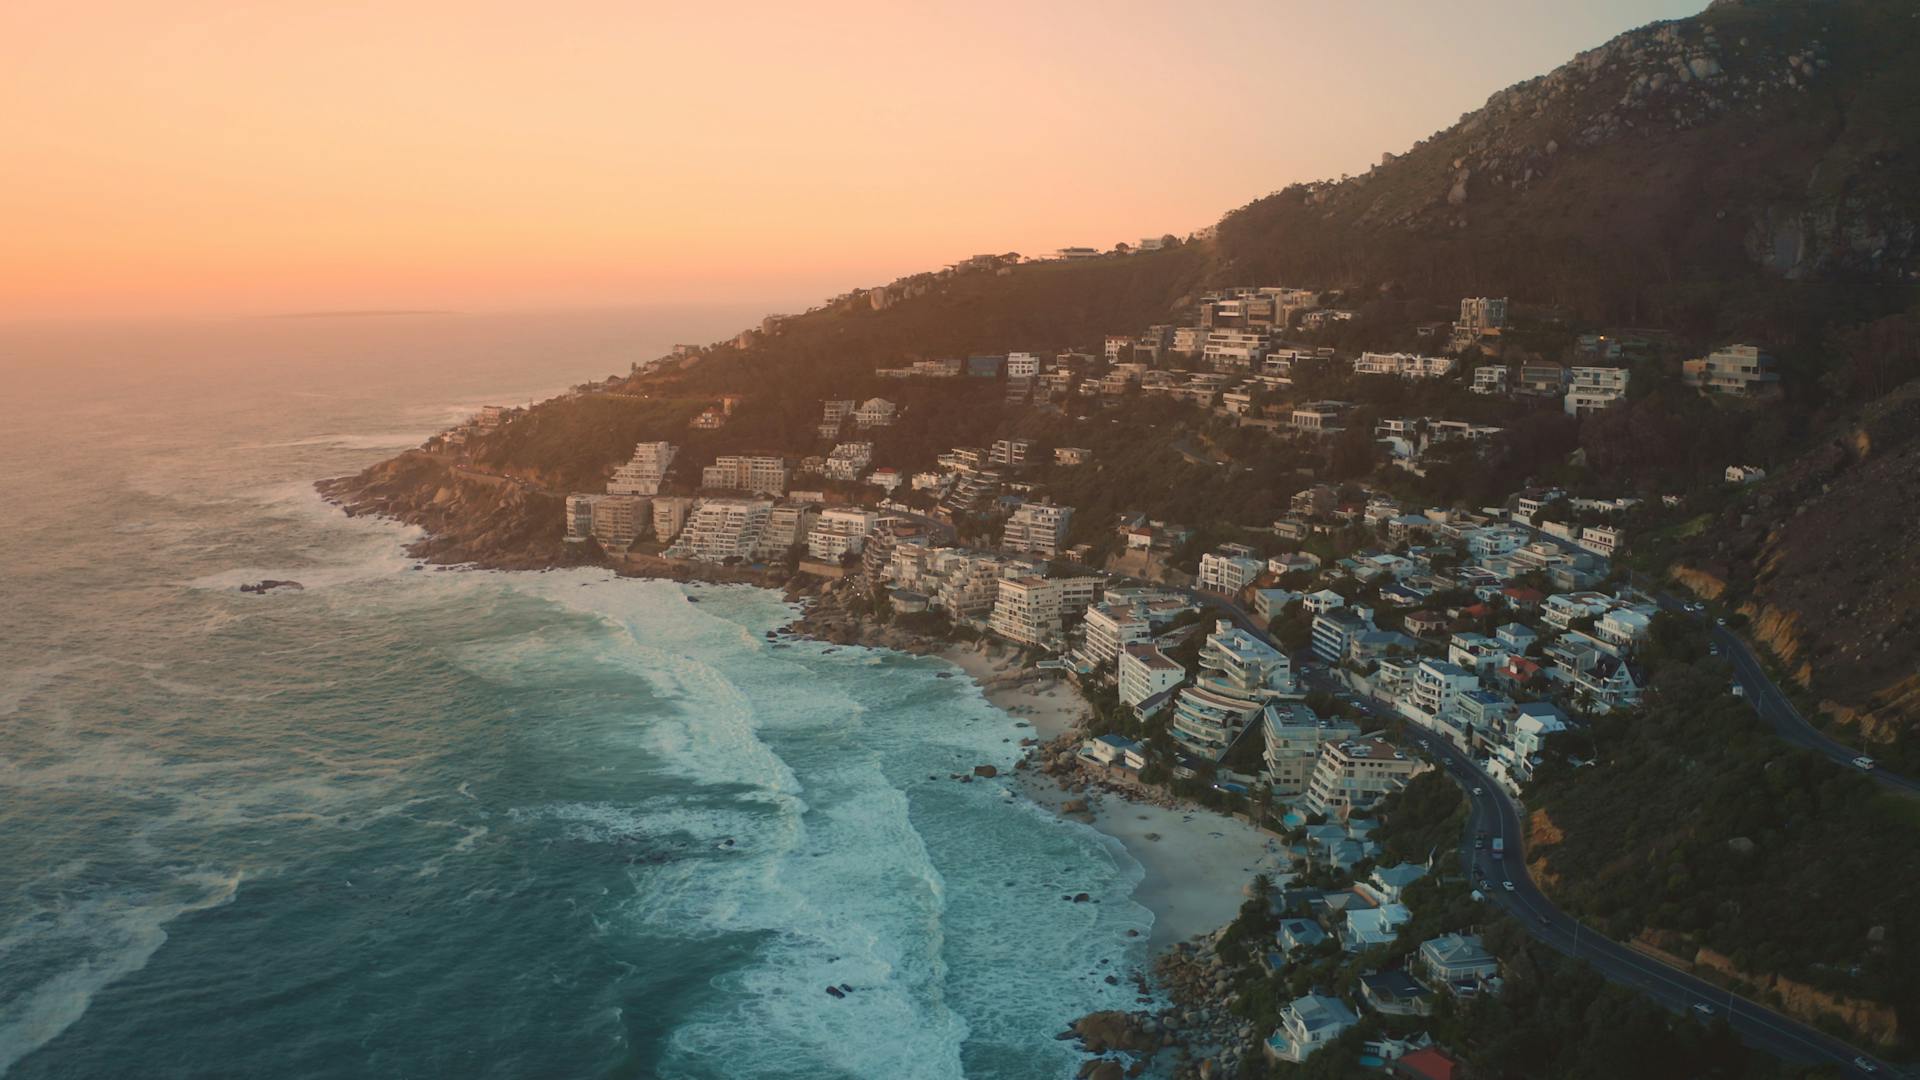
(412, 822)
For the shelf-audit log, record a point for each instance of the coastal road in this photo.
(1776, 708)
(1493, 812)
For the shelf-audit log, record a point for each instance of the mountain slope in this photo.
(1685, 175)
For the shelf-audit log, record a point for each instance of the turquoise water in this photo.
(421, 823)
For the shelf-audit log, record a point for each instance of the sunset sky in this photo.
(202, 157)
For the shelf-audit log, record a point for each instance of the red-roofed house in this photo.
(1523, 598)
(1519, 670)
(1427, 1064)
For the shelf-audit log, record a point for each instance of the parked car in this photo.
(1721, 621)
(1863, 762)
(1508, 885)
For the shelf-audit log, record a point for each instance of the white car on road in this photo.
(1863, 762)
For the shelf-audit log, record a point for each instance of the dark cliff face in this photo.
(1650, 180)
(469, 517)
(1823, 560)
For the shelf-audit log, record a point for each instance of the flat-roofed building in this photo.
(1355, 774)
(1145, 673)
(758, 474)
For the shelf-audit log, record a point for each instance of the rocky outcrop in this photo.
(1820, 558)
(1873, 1021)
(488, 520)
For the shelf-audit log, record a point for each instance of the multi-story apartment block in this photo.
(874, 413)
(848, 461)
(1009, 451)
(1334, 631)
(839, 532)
(1602, 540)
(1032, 610)
(1594, 389)
(1437, 686)
(723, 529)
(1189, 340)
(643, 473)
(1354, 774)
(1228, 573)
(1481, 317)
(761, 475)
(1239, 675)
(1544, 380)
(969, 581)
(1320, 417)
(1236, 349)
(1735, 371)
(1146, 673)
(786, 526)
(1404, 365)
(670, 513)
(616, 521)
(1491, 379)
(1109, 629)
(1038, 529)
(1294, 735)
(1023, 365)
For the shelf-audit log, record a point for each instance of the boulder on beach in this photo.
(1074, 806)
(987, 771)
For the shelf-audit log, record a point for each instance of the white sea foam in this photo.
(117, 933)
(843, 886)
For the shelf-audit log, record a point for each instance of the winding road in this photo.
(1494, 813)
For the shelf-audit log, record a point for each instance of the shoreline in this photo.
(1196, 863)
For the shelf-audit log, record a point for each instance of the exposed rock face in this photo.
(1822, 560)
(1870, 1020)
(471, 517)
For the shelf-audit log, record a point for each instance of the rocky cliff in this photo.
(469, 517)
(1821, 558)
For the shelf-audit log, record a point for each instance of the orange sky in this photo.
(196, 157)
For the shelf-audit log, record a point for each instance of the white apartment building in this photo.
(1320, 417)
(1602, 540)
(1594, 389)
(670, 513)
(1239, 675)
(1294, 735)
(969, 581)
(1403, 365)
(760, 475)
(1735, 371)
(1022, 365)
(848, 461)
(1228, 574)
(1032, 610)
(642, 473)
(723, 529)
(1009, 451)
(838, 532)
(1437, 686)
(1237, 349)
(875, 412)
(1354, 774)
(786, 526)
(579, 517)
(1110, 628)
(1189, 340)
(1491, 379)
(1334, 631)
(1146, 672)
(1037, 528)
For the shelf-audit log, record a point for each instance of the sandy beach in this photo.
(1197, 862)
